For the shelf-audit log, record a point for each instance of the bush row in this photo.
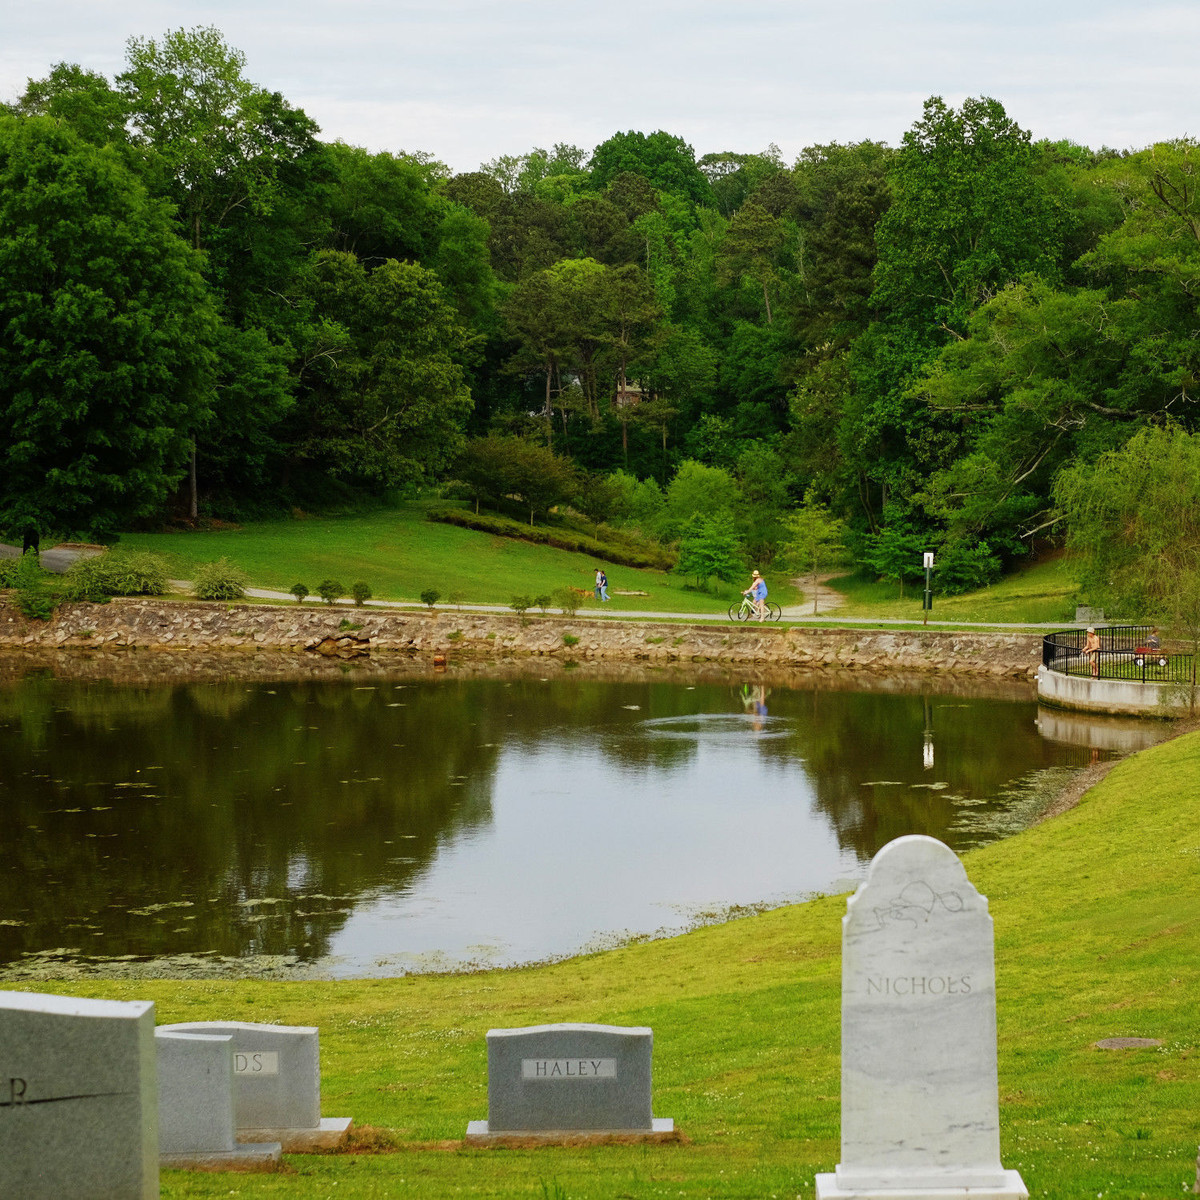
(624, 552)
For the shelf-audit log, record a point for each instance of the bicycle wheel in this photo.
(774, 612)
(735, 612)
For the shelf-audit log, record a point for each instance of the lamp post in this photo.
(927, 599)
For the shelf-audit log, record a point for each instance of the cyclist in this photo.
(757, 591)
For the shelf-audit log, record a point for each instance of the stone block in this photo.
(276, 1084)
(78, 1113)
(920, 1100)
(195, 1105)
(558, 1081)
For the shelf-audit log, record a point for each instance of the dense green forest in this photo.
(210, 313)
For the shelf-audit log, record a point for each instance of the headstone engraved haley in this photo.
(195, 1105)
(276, 1084)
(78, 1115)
(920, 1100)
(553, 1081)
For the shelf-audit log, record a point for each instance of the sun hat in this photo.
(753, 572)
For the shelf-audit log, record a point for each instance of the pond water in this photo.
(376, 823)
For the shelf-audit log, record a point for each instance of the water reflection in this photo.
(368, 822)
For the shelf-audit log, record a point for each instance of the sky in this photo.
(470, 80)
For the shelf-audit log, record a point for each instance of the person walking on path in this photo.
(757, 591)
(601, 585)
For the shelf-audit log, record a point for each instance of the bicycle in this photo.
(746, 610)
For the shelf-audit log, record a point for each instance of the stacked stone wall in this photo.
(167, 625)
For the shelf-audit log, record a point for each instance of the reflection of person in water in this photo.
(754, 701)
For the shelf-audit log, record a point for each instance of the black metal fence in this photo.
(1125, 652)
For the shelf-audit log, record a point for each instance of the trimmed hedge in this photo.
(623, 551)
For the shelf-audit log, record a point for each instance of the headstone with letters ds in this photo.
(555, 1082)
(276, 1084)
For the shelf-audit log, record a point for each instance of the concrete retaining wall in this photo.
(1115, 696)
(162, 624)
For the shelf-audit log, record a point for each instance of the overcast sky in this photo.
(468, 80)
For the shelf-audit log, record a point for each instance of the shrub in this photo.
(299, 591)
(346, 624)
(330, 589)
(568, 599)
(361, 593)
(569, 639)
(430, 596)
(542, 602)
(28, 581)
(519, 604)
(117, 572)
(617, 547)
(220, 580)
(8, 571)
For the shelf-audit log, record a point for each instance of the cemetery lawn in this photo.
(1097, 921)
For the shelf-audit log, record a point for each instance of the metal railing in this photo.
(1126, 652)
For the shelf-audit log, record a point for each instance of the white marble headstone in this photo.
(920, 1102)
(78, 1115)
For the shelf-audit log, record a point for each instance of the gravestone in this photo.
(195, 1105)
(276, 1084)
(553, 1081)
(78, 1115)
(920, 1100)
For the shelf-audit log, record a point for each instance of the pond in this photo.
(375, 822)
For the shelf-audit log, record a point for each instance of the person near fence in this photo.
(1091, 650)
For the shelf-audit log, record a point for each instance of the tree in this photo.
(106, 366)
(895, 551)
(710, 547)
(382, 398)
(221, 140)
(496, 467)
(666, 162)
(1133, 518)
(697, 490)
(83, 99)
(970, 213)
(813, 538)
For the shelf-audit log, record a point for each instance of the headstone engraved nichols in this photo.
(276, 1084)
(555, 1081)
(78, 1112)
(920, 1100)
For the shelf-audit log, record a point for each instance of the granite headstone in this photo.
(78, 1114)
(276, 1084)
(560, 1080)
(195, 1105)
(920, 1100)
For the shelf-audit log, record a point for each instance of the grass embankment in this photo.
(1097, 917)
(400, 554)
(1043, 592)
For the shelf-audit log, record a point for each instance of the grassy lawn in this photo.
(1043, 592)
(1097, 919)
(400, 554)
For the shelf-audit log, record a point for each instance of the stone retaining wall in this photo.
(161, 624)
